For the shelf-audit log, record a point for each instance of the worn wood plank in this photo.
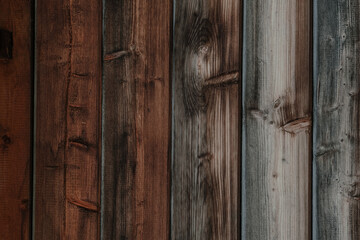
(68, 111)
(15, 118)
(337, 127)
(136, 119)
(206, 159)
(277, 120)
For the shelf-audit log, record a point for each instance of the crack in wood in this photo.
(116, 55)
(83, 204)
(222, 80)
(297, 125)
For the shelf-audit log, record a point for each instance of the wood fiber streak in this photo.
(278, 120)
(15, 118)
(206, 154)
(338, 131)
(136, 119)
(68, 112)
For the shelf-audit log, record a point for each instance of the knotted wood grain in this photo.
(205, 165)
(15, 118)
(136, 119)
(337, 141)
(68, 113)
(277, 144)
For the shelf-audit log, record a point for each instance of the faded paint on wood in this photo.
(206, 154)
(68, 70)
(337, 153)
(15, 118)
(136, 119)
(277, 120)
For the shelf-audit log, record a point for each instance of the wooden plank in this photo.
(15, 118)
(337, 141)
(277, 144)
(136, 119)
(206, 153)
(68, 112)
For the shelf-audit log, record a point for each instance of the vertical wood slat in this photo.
(277, 119)
(68, 111)
(337, 112)
(206, 154)
(15, 118)
(136, 119)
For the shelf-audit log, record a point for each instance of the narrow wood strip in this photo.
(15, 118)
(68, 119)
(337, 140)
(136, 119)
(206, 154)
(277, 100)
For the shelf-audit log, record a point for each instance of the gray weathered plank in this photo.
(337, 126)
(136, 119)
(206, 159)
(277, 120)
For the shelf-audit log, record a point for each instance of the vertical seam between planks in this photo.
(34, 119)
(102, 153)
(243, 126)
(172, 76)
(314, 125)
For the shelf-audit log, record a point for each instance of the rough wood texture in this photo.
(337, 110)
(277, 118)
(136, 119)
(15, 118)
(206, 159)
(68, 70)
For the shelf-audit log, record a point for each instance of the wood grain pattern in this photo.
(277, 119)
(15, 118)
(68, 111)
(206, 153)
(136, 119)
(338, 134)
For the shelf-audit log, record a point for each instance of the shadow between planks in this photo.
(194, 119)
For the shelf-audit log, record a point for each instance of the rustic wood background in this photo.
(180, 119)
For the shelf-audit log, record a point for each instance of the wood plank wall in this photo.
(205, 167)
(136, 119)
(147, 124)
(15, 118)
(337, 112)
(68, 113)
(277, 144)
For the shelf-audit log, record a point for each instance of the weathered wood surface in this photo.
(15, 118)
(136, 119)
(337, 127)
(277, 144)
(68, 113)
(206, 154)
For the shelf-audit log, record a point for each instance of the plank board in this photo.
(277, 138)
(68, 113)
(337, 139)
(15, 118)
(136, 119)
(206, 153)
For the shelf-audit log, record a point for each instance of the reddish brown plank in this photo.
(68, 111)
(15, 118)
(136, 119)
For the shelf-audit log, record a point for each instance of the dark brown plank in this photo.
(68, 111)
(15, 118)
(337, 139)
(136, 119)
(206, 153)
(277, 120)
